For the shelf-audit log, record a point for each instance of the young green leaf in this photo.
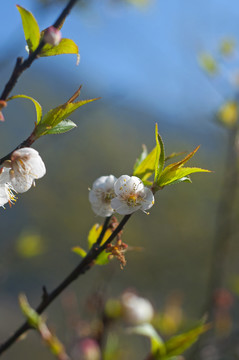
(176, 174)
(62, 127)
(55, 116)
(66, 46)
(30, 28)
(79, 251)
(160, 155)
(36, 103)
(142, 156)
(178, 344)
(94, 233)
(146, 168)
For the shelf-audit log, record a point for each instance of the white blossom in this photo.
(131, 195)
(25, 165)
(6, 194)
(136, 310)
(101, 194)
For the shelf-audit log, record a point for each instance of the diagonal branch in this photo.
(21, 65)
(86, 263)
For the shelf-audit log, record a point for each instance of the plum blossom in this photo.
(25, 165)
(131, 195)
(6, 194)
(101, 194)
(136, 310)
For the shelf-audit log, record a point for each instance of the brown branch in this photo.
(86, 263)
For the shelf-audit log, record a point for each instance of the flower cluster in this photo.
(19, 173)
(124, 195)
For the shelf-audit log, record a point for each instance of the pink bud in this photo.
(52, 36)
(86, 349)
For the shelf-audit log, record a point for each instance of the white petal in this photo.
(3, 195)
(122, 208)
(21, 184)
(148, 200)
(120, 185)
(4, 176)
(135, 184)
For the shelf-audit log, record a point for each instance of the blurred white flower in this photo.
(6, 194)
(136, 310)
(25, 165)
(101, 194)
(131, 195)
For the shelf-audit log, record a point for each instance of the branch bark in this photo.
(86, 263)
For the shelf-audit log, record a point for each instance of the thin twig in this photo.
(86, 263)
(21, 65)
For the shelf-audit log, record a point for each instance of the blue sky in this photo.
(146, 57)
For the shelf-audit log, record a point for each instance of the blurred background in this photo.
(142, 58)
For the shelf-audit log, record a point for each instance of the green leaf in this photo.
(158, 348)
(174, 154)
(57, 115)
(160, 155)
(94, 233)
(66, 46)
(176, 174)
(30, 28)
(79, 251)
(36, 103)
(142, 156)
(147, 166)
(62, 127)
(178, 344)
(208, 64)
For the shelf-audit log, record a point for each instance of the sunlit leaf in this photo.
(178, 344)
(94, 233)
(79, 251)
(160, 155)
(228, 114)
(147, 166)
(57, 115)
(30, 28)
(62, 127)
(158, 348)
(142, 156)
(173, 155)
(176, 175)
(208, 63)
(36, 103)
(66, 46)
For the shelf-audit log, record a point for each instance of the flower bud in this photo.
(52, 36)
(86, 349)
